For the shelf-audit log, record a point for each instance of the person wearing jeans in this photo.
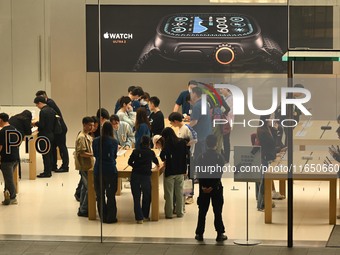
(84, 161)
(141, 161)
(105, 149)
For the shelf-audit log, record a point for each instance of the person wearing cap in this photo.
(158, 142)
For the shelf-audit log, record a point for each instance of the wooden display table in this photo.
(32, 167)
(303, 171)
(310, 133)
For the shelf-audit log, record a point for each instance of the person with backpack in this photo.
(60, 131)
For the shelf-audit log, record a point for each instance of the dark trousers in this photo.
(203, 201)
(47, 157)
(60, 142)
(78, 189)
(226, 147)
(107, 195)
(141, 184)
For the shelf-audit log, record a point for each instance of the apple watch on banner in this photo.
(223, 38)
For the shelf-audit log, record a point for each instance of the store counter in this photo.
(310, 132)
(308, 166)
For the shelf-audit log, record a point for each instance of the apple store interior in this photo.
(85, 54)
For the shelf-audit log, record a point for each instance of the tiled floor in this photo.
(47, 212)
(86, 248)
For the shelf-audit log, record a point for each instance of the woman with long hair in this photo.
(142, 126)
(108, 174)
(175, 155)
(141, 162)
(266, 138)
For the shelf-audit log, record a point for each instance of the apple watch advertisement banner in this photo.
(187, 39)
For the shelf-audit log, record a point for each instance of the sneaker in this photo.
(174, 210)
(276, 195)
(139, 221)
(199, 237)
(7, 197)
(189, 200)
(77, 197)
(81, 214)
(146, 219)
(273, 204)
(221, 238)
(13, 201)
(260, 209)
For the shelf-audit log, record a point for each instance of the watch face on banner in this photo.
(224, 25)
(187, 38)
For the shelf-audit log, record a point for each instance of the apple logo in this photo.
(106, 35)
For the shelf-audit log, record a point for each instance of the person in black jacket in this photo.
(175, 155)
(45, 128)
(141, 161)
(23, 123)
(210, 189)
(59, 139)
(156, 117)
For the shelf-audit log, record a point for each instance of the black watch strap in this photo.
(148, 51)
(272, 54)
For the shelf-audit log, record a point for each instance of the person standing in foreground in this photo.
(9, 160)
(105, 171)
(141, 161)
(83, 160)
(210, 189)
(175, 155)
